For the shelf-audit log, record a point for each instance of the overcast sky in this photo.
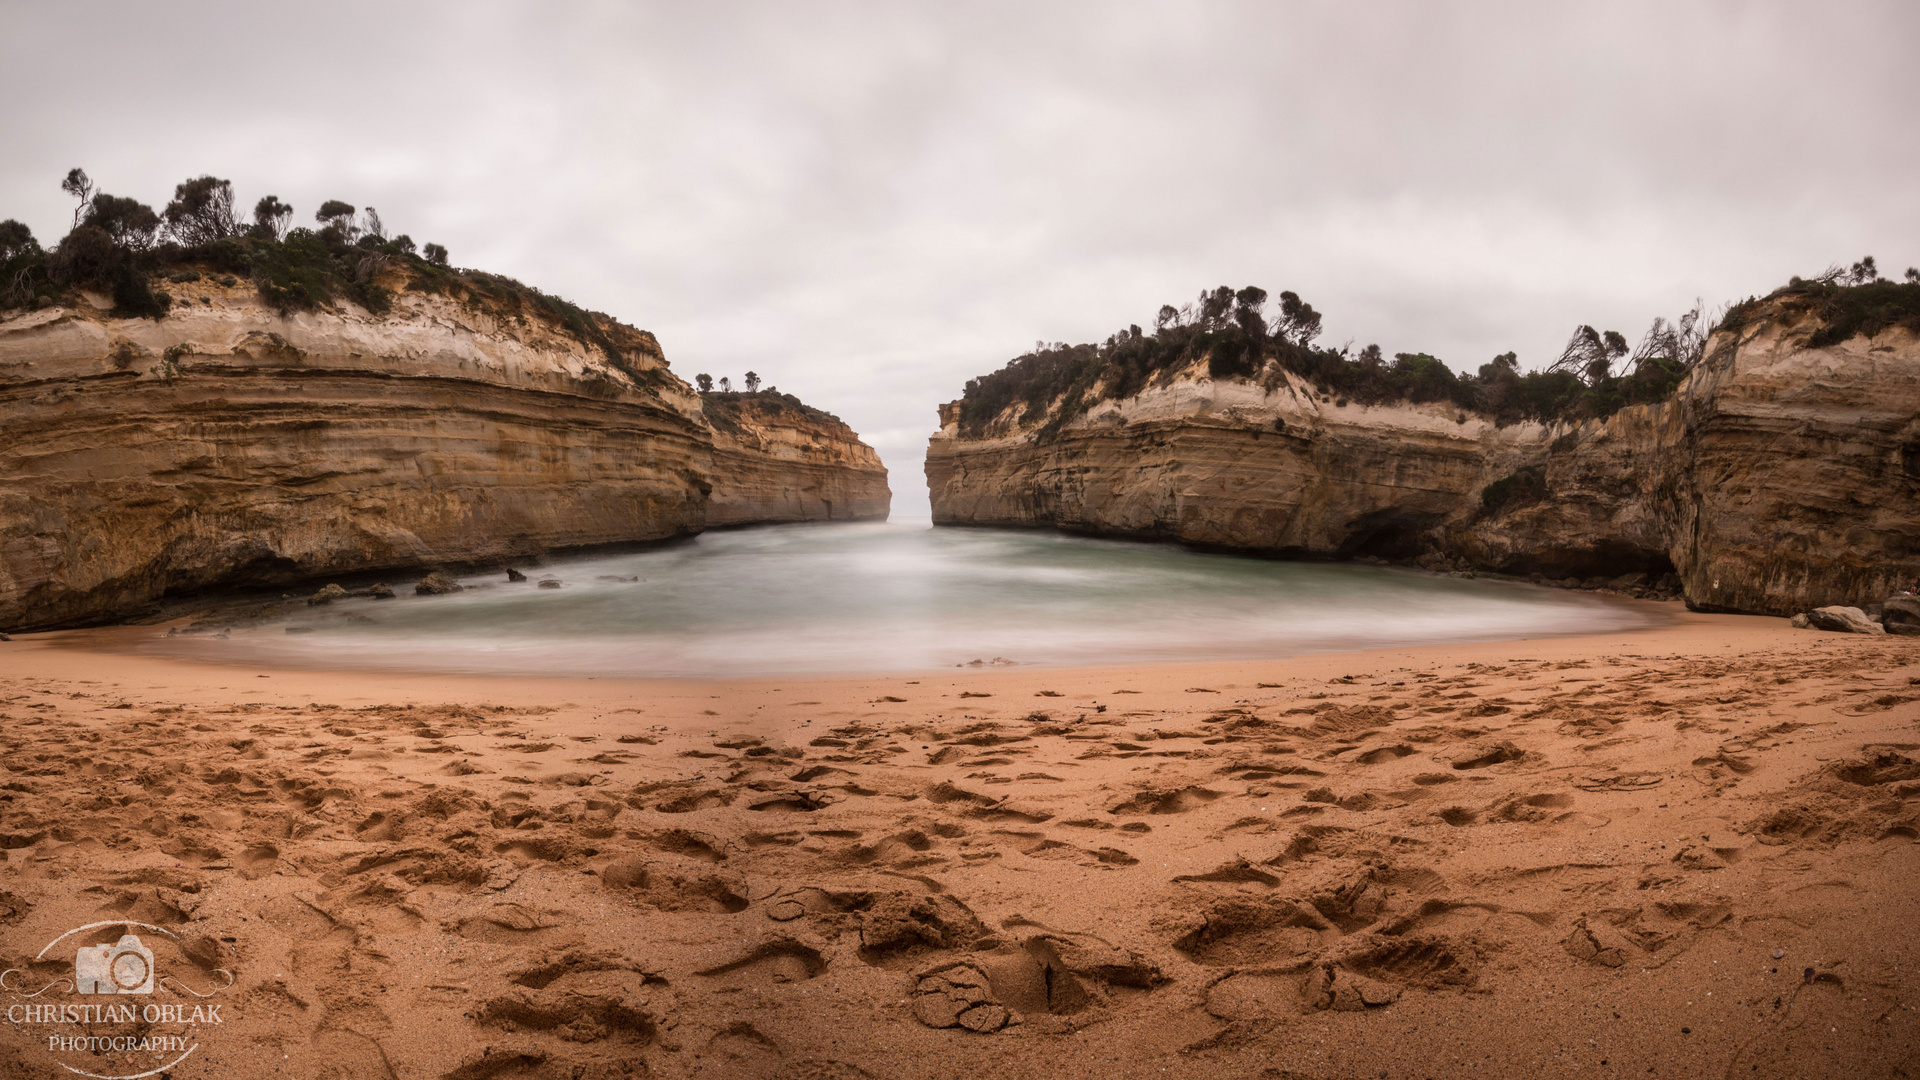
(869, 204)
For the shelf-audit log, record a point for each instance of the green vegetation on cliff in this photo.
(1596, 375)
(124, 249)
(723, 407)
(1841, 303)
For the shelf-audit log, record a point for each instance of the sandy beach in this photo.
(1690, 851)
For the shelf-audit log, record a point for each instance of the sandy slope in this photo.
(1570, 857)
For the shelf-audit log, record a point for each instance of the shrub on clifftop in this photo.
(1842, 303)
(1595, 375)
(118, 246)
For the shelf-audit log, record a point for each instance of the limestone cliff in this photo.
(775, 459)
(227, 444)
(1779, 477)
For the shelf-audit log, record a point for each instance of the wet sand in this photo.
(1558, 857)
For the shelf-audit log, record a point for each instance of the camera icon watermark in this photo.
(90, 1033)
(122, 968)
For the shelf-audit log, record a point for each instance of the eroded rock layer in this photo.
(1779, 477)
(227, 445)
(775, 459)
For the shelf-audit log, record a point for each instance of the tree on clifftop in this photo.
(704, 381)
(270, 218)
(753, 382)
(129, 222)
(1590, 354)
(336, 220)
(1298, 322)
(15, 239)
(201, 212)
(80, 186)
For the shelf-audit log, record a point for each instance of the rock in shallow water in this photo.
(436, 584)
(327, 595)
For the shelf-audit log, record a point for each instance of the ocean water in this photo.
(901, 597)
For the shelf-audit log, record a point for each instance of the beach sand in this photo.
(1690, 851)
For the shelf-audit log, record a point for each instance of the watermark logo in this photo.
(125, 967)
(85, 1030)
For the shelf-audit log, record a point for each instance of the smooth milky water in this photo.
(900, 597)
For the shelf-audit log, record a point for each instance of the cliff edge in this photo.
(1780, 474)
(776, 459)
(228, 443)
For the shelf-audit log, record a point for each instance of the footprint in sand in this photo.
(817, 1069)
(893, 926)
(695, 800)
(1245, 933)
(1045, 973)
(1420, 959)
(516, 924)
(1878, 765)
(1237, 872)
(777, 960)
(503, 1063)
(1382, 755)
(1254, 996)
(1039, 845)
(687, 844)
(338, 1054)
(794, 903)
(1179, 801)
(691, 886)
(1330, 987)
(582, 1013)
(740, 1051)
(1600, 945)
(1618, 781)
(257, 861)
(1491, 754)
(803, 802)
(1530, 808)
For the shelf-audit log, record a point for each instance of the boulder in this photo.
(1901, 615)
(382, 591)
(1846, 620)
(327, 595)
(436, 584)
(549, 583)
(1800, 621)
(515, 575)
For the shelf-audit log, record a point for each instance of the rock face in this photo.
(1901, 615)
(229, 445)
(1778, 478)
(775, 459)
